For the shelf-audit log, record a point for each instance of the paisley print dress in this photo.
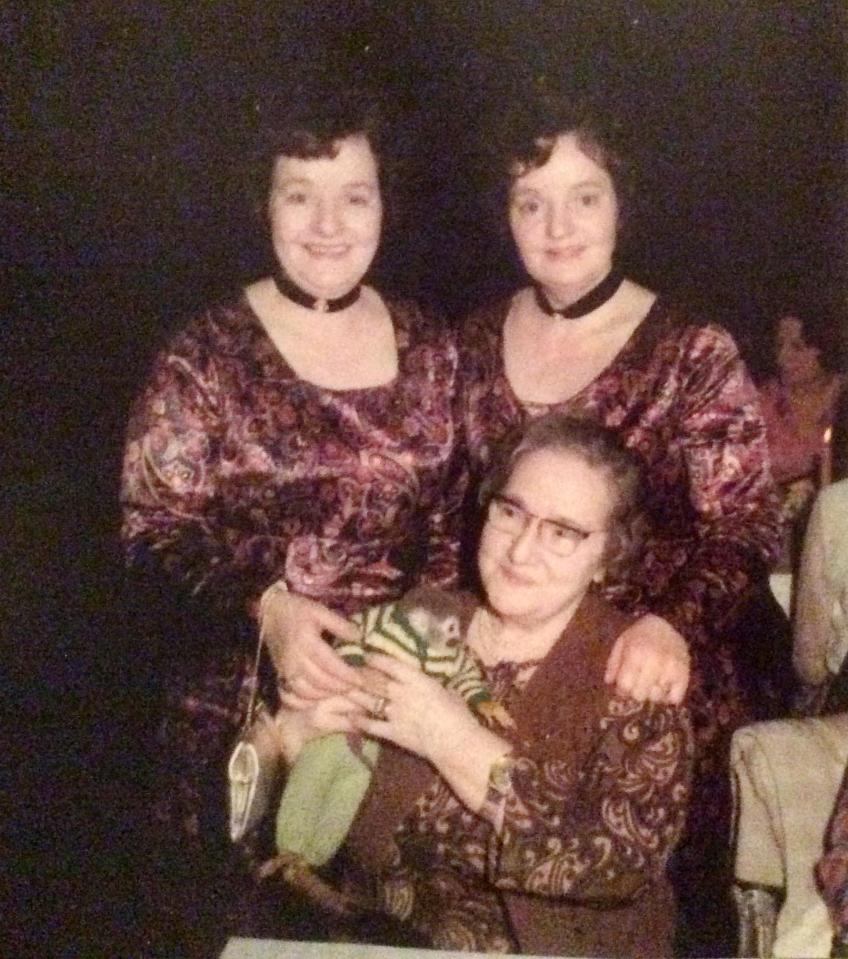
(237, 473)
(679, 395)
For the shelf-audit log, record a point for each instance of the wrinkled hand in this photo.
(650, 661)
(421, 715)
(292, 628)
(301, 720)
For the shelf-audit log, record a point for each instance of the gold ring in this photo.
(379, 710)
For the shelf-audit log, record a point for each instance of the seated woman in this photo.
(799, 405)
(552, 837)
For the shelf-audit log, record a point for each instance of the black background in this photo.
(122, 210)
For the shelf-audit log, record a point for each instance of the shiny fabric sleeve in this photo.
(736, 521)
(171, 523)
(601, 832)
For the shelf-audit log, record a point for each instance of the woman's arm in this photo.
(602, 832)
(736, 525)
(175, 525)
(445, 524)
(433, 722)
(444, 516)
(170, 477)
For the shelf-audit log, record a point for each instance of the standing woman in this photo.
(581, 338)
(293, 451)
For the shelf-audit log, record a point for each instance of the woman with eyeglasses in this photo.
(551, 838)
(582, 338)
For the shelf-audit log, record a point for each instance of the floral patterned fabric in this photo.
(237, 472)
(679, 395)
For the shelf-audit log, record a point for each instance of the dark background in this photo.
(122, 209)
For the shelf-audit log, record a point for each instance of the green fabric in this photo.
(323, 792)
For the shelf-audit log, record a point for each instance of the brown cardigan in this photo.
(559, 714)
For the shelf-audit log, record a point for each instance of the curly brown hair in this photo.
(310, 123)
(523, 135)
(600, 448)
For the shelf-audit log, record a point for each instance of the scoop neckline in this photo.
(260, 331)
(627, 347)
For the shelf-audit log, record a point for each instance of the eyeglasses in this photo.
(554, 536)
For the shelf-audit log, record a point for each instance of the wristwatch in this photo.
(500, 773)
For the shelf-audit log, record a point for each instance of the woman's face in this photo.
(798, 361)
(525, 579)
(325, 216)
(564, 219)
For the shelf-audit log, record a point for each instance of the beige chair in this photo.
(786, 774)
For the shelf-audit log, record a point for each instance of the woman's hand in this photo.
(301, 720)
(650, 660)
(418, 713)
(292, 628)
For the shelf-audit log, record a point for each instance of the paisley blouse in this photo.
(588, 813)
(237, 472)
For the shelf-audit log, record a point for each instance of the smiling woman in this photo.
(541, 547)
(293, 452)
(564, 218)
(325, 219)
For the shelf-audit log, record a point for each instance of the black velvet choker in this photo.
(296, 295)
(596, 297)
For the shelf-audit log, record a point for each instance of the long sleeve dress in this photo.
(237, 472)
(679, 395)
(586, 818)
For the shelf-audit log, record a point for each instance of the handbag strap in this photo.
(250, 715)
(254, 703)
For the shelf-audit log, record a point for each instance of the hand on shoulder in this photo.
(650, 661)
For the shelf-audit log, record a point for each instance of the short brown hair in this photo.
(309, 123)
(524, 134)
(598, 447)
